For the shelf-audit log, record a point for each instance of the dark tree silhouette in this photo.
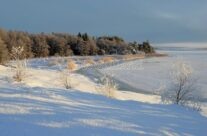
(64, 44)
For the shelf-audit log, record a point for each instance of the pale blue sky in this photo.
(154, 20)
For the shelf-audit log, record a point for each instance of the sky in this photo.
(159, 21)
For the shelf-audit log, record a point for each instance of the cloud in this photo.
(168, 16)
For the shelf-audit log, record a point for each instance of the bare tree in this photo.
(19, 62)
(182, 86)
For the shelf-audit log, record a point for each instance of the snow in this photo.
(47, 111)
(148, 75)
(41, 106)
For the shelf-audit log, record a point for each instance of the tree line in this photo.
(64, 44)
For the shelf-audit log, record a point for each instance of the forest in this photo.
(65, 44)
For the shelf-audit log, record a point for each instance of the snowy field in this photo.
(152, 74)
(40, 105)
(32, 111)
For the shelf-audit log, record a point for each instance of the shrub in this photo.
(89, 61)
(107, 59)
(108, 86)
(20, 65)
(66, 79)
(71, 65)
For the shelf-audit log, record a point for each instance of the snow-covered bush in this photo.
(108, 86)
(89, 61)
(71, 65)
(107, 59)
(182, 86)
(19, 63)
(65, 76)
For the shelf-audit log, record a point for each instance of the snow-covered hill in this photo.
(40, 106)
(32, 111)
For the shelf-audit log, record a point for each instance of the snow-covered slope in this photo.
(40, 106)
(32, 111)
